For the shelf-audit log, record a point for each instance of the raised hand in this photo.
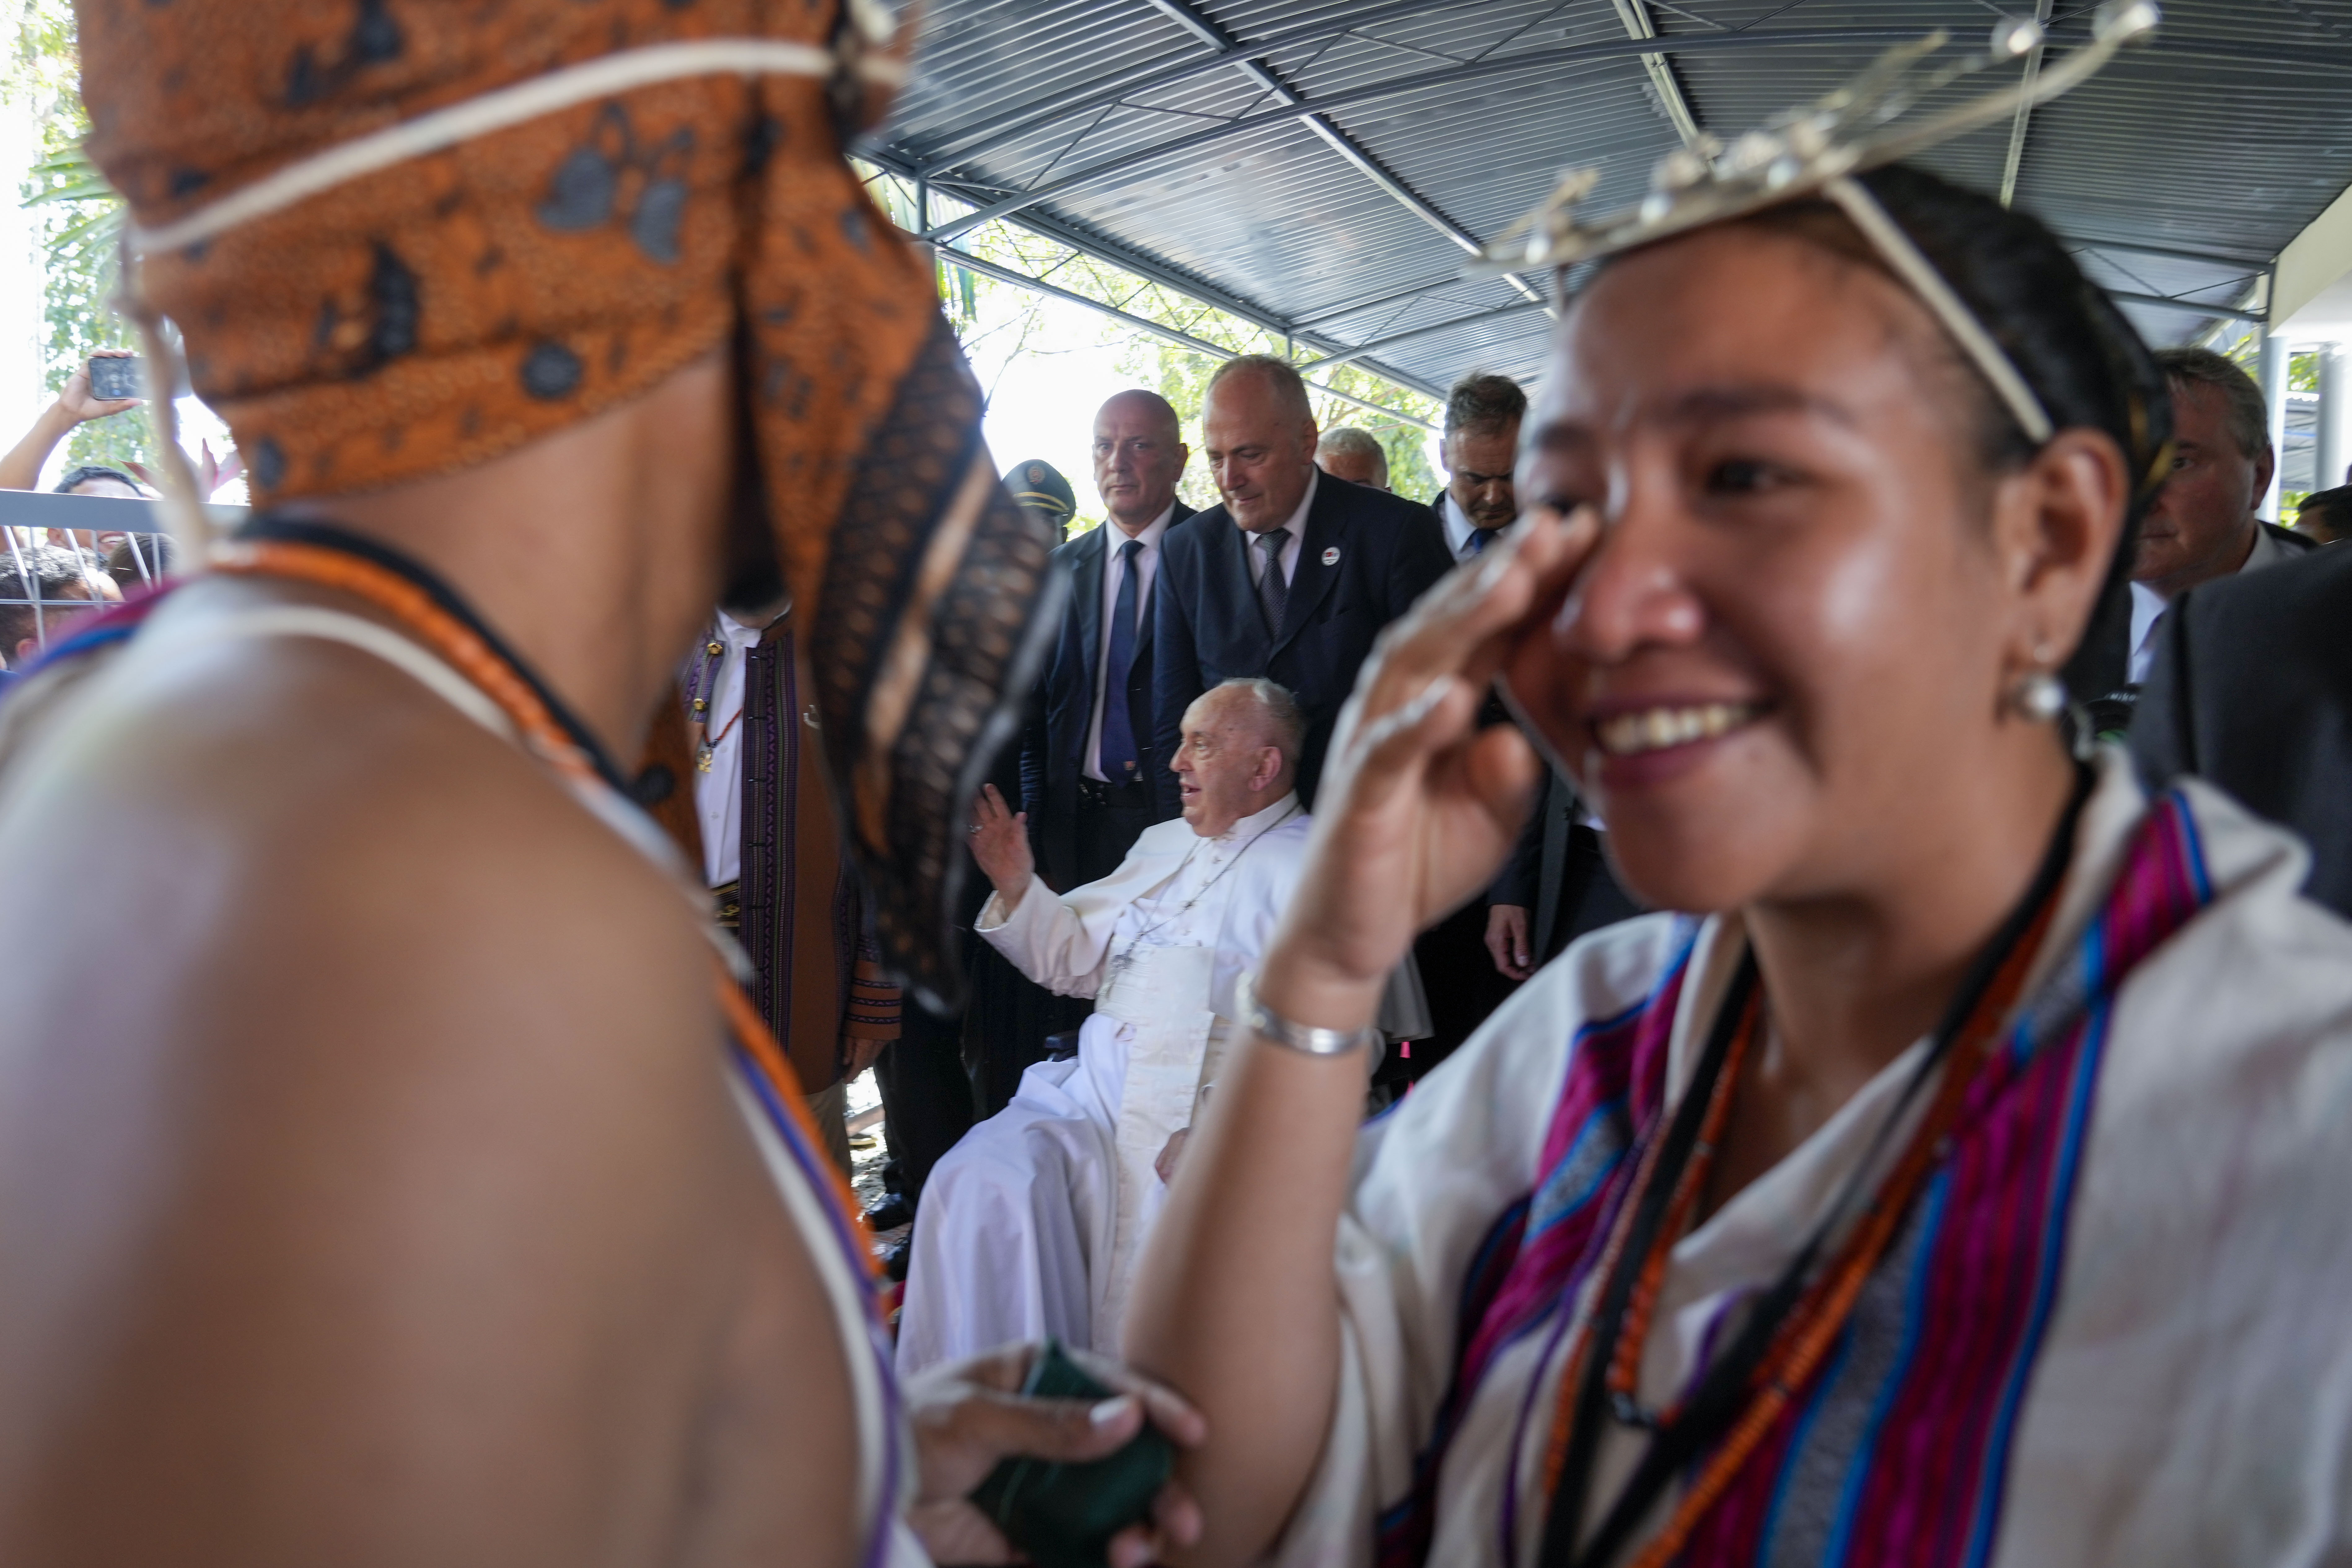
(1418, 806)
(76, 401)
(969, 1415)
(1000, 842)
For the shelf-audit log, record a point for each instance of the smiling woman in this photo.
(1881, 1211)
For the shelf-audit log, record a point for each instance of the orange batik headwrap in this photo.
(400, 236)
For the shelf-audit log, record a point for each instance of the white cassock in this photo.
(1033, 1223)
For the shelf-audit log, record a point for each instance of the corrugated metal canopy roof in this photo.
(1324, 168)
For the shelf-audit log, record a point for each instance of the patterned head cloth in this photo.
(409, 316)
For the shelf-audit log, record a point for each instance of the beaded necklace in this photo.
(1733, 1403)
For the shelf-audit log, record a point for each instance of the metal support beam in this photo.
(1346, 308)
(1435, 328)
(1154, 271)
(987, 135)
(955, 257)
(2333, 390)
(1183, 13)
(2276, 356)
(1635, 14)
(1126, 162)
(1392, 297)
(2024, 110)
(2229, 312)
(2130, 247)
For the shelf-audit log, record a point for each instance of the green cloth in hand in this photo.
(1063, 1516)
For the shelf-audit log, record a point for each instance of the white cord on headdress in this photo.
(512, 105)
(1887, 237)
(182, 506)
(179, 503)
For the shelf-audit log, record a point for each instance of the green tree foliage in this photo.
(77, 217)
(996, 320)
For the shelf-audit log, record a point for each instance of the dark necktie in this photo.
(1480, 538)
(1117, 757)
(1272, 593)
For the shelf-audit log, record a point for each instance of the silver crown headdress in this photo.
(1816, 151)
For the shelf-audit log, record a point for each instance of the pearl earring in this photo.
(2038, 697)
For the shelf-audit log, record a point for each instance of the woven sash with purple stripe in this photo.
(1537, 1251)
(1899, 1451)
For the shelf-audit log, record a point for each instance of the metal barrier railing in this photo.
(116, 546)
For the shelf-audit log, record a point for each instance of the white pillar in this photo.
(2276, 354)
(2334, 394)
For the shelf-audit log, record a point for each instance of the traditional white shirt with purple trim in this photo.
(2116, 1328)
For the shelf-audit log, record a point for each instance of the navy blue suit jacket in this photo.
(1366, 557)
(1051, 746)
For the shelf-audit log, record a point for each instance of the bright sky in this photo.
(22, 397)
(1042, 402)
(20, 283)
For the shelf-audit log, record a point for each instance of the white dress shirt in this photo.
(2148, 605)
(1458, 528)
(1291, 546)
(1147, 572)
(718, 793)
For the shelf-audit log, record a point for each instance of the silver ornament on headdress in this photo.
(1816, 151)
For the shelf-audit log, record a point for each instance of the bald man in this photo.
(1293, 577)
(1089, 753)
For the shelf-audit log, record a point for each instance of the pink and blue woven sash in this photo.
(1898, 1452)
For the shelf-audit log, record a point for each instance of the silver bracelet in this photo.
(1271, 1026)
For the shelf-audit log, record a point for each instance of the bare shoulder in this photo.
(289, 829)
(360, 1115)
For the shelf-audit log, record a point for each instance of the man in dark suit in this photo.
(1461, 971)
(2201, 525)
(1480, 450)
(1292, 577)
(1091, 748)
(2250, 688)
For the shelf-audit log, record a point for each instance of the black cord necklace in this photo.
(327, 536)
(1714, 1405)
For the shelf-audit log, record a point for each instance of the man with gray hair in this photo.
(1481, 448)
(2203, 525)
(1033, 1224)
(1464, 957)
(1291, 578)
(1355, 455)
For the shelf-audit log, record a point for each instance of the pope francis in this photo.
(1032, 1225)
